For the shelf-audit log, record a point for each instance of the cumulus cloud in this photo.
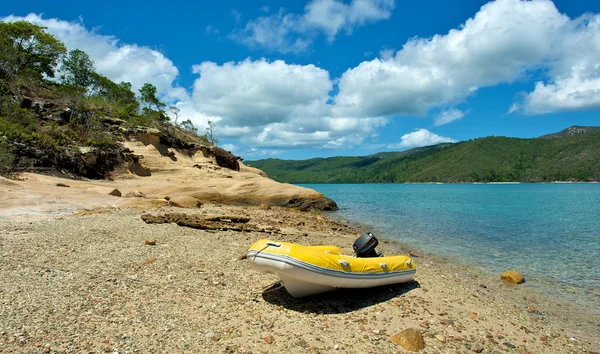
(291, 33)
(420, 137)
(447, 116)
(499, 44)
(255, 93)
(115, 60)
(574, 82)
(333, 16)
(262, 153)
(275, 104)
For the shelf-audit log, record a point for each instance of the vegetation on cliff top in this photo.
(565, 157)
(52, 102)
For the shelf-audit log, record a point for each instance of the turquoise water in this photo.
(550, 232)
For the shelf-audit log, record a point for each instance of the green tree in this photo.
(188, 126)
(148, 97)
(154, 108)
(78, 69)
(26, 48)
(121, 94)
(210, 133)
(174, 113)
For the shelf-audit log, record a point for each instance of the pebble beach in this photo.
(104, 281)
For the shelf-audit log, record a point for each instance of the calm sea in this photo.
(550, 232)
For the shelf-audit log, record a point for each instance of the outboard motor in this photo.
(364, 246)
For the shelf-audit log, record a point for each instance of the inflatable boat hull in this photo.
(302, 275)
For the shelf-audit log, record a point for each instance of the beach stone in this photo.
(185, 201)
(106, 190)
(410, 339)
(269, 339)
(135, 194)
(441, 338)
(447, 322)
(477, 347)
(512, 276)
(472, 315)
(62, 185)
(150, 242)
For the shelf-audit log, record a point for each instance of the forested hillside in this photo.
(570, 157)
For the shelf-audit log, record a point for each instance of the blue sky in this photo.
(301, 79)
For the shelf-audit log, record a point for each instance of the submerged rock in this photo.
(512, 276)
(410, 339)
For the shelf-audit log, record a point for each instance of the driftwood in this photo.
(222, 223)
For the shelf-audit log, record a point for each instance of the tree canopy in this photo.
(27, 49)
(78, 69)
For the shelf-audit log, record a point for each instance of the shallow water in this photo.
(550, 232)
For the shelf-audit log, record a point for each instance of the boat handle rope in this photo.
(274, 244)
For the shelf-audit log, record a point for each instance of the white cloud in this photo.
(574, 82)
(255, 93)
(291, 33)
(420, 137)
(117, 61)
(333, 16)
(230, 147)
(324, 132)
(274, 104)
(274, 32)
(499, 44)
(254, 152)
(447, 116)
(211, 30)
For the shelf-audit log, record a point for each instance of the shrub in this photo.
(7, 158)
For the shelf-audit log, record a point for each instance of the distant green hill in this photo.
(570, 131)
(556, 157)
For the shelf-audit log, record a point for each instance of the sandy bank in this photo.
(88, 283)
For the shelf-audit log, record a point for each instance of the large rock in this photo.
(106, 191)
(225, 158)
(410, 339)
(315, 203)
(185, 201)
(512, 276)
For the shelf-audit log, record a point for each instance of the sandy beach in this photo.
(88, 283)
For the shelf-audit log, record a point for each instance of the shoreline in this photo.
(561, 307)
(91, 276)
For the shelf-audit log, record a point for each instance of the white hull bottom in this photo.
(302, 279)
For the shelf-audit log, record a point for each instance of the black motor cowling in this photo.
(364, 246)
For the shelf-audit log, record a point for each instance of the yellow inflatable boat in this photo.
(309, 270)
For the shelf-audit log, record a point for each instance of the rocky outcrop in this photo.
(311, 203)
(184, 201)
(164, 140)
(225, 158)
(223, 223)
(90, 162)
